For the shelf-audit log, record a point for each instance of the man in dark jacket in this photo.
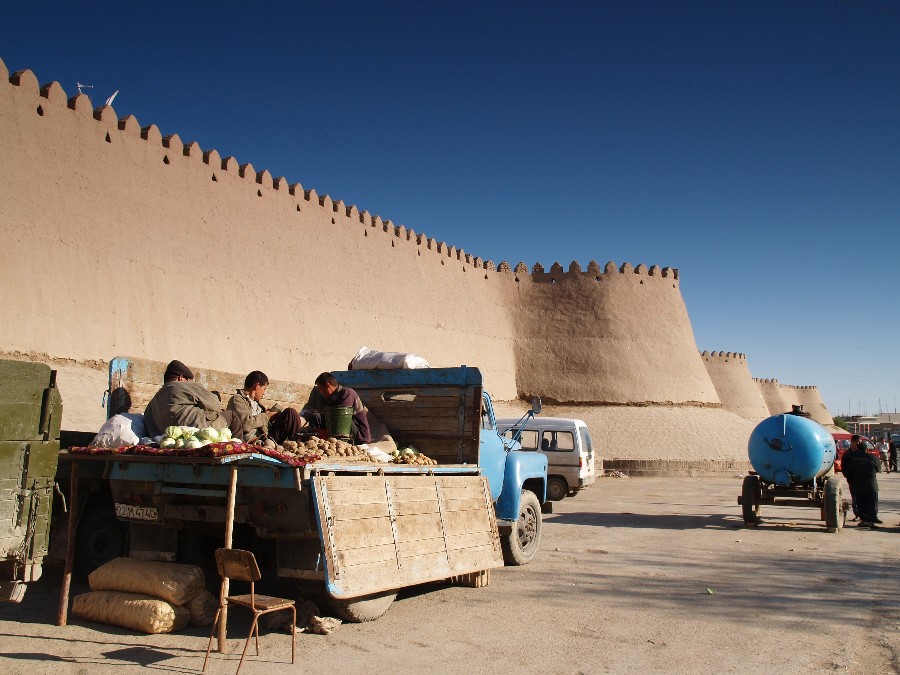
(183, 402)
(329, 393)
(860, 469)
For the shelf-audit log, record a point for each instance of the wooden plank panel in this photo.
(473, 560)
(352, 483)
(404, 492)
(452, 492)
(411, 549)
(464, 504)
(466, 522)
(361, 511)
(363, 558)
(371, 554)
(361, 533)
(415, 508)
(471, 540)
(419, 526)
(342, 498)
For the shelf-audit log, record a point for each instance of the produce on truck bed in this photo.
(328, 449)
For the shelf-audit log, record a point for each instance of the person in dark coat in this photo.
(860, 469)
(328, 392)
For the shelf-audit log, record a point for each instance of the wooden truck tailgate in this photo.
(385, 532)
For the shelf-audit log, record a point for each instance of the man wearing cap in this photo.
(183, 402)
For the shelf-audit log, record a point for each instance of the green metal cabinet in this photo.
(30, 417)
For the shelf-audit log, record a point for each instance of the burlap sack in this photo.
(175, 583)
(203, 609)
(131, 610)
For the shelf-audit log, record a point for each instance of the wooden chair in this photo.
(241, 565)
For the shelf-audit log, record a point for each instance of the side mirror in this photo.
(536, 405)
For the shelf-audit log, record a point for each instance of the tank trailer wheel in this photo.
(751, 493)
(835, 515)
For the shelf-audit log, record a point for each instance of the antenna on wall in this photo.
(110, 99)
(83, 86)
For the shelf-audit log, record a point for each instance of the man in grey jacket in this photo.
(183, 402)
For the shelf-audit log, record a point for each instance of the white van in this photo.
(567, 445)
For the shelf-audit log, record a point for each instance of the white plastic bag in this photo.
(121, 429)
(371, 359)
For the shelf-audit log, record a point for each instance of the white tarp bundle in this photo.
(371, 359)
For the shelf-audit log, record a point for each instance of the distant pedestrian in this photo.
(884, 448)
(860, 469)
(895, 446)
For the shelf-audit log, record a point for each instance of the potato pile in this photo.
(411, 456)
(328, 449)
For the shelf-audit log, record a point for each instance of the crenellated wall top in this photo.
(262, 181)
(557, 273)
(724, 357)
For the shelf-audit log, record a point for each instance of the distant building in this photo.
(875, 426)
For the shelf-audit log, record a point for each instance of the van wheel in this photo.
(557, 488)
(520, 545)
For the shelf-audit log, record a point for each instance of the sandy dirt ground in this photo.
(635, 575)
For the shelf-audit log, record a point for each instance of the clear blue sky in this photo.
(754, 145)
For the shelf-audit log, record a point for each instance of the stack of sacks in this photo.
(146, 596)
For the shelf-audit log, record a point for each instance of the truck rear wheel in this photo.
(364, 608)
(520, 545)
(100, 538)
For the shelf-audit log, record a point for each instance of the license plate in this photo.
(131, 512)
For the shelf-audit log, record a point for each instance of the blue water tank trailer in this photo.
(792, 458)
(789, 449)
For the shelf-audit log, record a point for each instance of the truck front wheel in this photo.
(520, 545)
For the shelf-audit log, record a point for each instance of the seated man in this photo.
(256, 421)
(328, 393)
(182, 402)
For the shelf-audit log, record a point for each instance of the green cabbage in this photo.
(173, 432)
(167, 442)
(179, 442)
(208, 434)
(193, 444)
(224, 435)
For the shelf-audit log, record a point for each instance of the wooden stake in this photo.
(63, 615)
(229, 531)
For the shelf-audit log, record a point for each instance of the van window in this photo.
(529, 439)
(557, 441)
(586, 441)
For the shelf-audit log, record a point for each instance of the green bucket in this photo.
(339, 420)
